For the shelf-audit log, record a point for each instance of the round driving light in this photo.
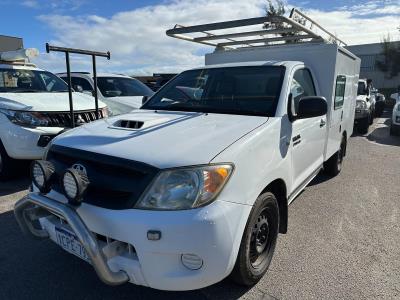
(191, 261)
(42, 174)
(74, 184)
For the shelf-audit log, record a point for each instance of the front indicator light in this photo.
(42, 173)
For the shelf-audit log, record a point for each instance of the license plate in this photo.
(358, 110)
(69, 242)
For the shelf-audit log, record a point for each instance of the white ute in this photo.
(195, 185)
(34, 108)
(121, 93)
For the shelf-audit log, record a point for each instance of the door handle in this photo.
(322, 123)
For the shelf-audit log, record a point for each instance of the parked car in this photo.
(365, 107)
(195, 185)
(380, 102)
(395, 124)
(34, 108)
(121, 93)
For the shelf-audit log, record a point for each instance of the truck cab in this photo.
(195, 185)
(34, 108)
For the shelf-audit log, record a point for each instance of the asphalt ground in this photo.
(343, 241)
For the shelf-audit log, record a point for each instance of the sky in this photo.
(134, 30)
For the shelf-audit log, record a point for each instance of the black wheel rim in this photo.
(261, 240)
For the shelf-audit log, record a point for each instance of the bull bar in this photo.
(35, 206)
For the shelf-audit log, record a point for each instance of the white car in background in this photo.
(121, 93)
(395, 126)
(34, 108)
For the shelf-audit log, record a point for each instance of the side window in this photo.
(340, 91)
(302, 86)
(86, 86)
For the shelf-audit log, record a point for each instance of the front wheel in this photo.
(364, 125)
(7, 164)
(258, 242)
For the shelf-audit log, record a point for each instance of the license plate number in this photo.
(69, 242)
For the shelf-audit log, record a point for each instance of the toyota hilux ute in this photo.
(195, 185)
(34, 108)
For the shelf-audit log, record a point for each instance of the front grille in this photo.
(115, 183)
(63, 119)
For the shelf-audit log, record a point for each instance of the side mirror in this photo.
(144, 99)
(310, 107)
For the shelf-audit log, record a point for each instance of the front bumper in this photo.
(361, 114)
(213, 233)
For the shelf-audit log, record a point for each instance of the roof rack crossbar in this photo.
(294, 28)
(244, 34)
(268, 40)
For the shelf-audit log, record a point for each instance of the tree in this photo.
(276, 9)
(390, 62)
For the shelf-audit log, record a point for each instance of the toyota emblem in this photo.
(80, 168)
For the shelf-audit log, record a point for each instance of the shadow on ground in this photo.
(381, 136)
(14, 186)
(32, 269)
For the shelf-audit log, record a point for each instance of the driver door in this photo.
(308, 135)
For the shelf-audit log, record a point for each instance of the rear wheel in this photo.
(258, 242)
(7, 164)
(333, 165)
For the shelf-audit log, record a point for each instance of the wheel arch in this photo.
(278, 188)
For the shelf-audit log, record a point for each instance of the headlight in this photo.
(361, 104)
(25, 118)
(106, 112)
(186, 188)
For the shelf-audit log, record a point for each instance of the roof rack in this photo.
(297, 28)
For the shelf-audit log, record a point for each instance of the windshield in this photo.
(237, 90)
(34, 81)
(120, 86)
(362, 89)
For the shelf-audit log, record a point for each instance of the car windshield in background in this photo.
(362, 89)
(30, 81)
(236, 90)
(120, 86)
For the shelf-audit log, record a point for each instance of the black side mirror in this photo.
(310, 107)
(144, 99)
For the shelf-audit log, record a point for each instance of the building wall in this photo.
(370, 54)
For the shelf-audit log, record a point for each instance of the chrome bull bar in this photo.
(34, 206)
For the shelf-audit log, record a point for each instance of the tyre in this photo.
(393, 131)
(363, 125)
(333, 165)
(371, 118)
(258, 242)
(7, 164)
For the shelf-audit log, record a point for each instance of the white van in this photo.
(195, 185)
(34, 108)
